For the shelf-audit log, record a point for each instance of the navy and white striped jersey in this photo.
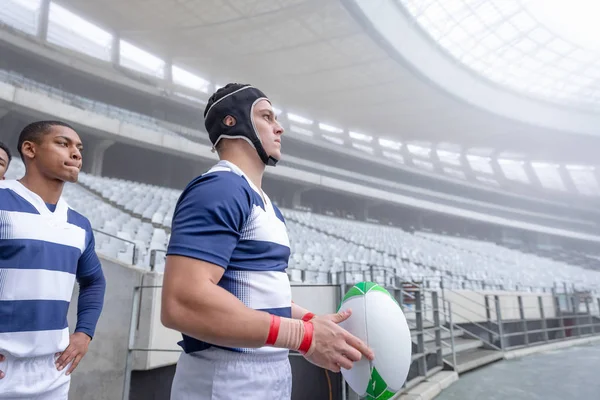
(221, 218)
(42, 253)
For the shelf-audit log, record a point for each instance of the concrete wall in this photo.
(101, 372)
(151, 333)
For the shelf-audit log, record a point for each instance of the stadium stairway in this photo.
(470, 351)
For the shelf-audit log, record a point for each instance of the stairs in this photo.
(471, 353)
(461, 344)
(472, 358)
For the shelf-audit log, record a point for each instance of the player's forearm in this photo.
(298, 312)
(213, 315)
(90, 302)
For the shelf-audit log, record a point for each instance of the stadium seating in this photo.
(131, 215)
(118, 234)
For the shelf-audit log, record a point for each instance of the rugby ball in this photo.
(378, 320)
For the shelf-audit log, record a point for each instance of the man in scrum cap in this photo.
(225, 286)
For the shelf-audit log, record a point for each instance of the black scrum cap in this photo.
(237, 100)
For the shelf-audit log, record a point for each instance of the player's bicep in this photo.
(183, 283)
(181, 271)
(89, 263)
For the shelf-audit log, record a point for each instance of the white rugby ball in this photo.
(378, 320)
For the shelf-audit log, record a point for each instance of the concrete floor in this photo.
(570, 373)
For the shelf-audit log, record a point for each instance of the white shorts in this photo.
(34, 378)
(217, 374)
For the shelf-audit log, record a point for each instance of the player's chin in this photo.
(276, 153)
(71, 177)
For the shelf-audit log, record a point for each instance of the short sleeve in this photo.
(209, 217)
(89, 263)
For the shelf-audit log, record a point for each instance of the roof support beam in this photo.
(567, 180)
(115, 55)
(530, 172)
(43, 17)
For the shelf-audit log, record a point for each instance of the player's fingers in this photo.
(352, 354)
(74, 364)
(344, 362)
(360, 346)
(64, 359)
(341, 316)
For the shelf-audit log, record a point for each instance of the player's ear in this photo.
(28, 149)
(229, 120)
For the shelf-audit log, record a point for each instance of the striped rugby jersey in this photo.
(221, 218)
(42, 253)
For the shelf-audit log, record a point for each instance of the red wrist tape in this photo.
(308, 316)
(273, 330)
(307, 339)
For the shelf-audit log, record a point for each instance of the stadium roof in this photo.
(543, 48)
(411, 70)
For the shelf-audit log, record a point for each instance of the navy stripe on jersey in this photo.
(255, 255)
(37, 254)
(73, 217)
(282, 312)
(11, 201)
(33, 315)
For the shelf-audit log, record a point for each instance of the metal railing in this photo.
(135, 249)
(155, 256)
(516, 333)
(500, 331)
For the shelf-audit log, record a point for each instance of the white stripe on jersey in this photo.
(31, 344)
(265, 226)
(265, 289)
(21, 225)
(35, 284)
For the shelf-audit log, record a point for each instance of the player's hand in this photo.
(2, 358)
(78, 347)
(334, 347)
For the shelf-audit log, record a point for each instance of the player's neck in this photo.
(251, 166)
(49, 190)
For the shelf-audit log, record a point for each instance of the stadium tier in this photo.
(448, 162)
(135, 217)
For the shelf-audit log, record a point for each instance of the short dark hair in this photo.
(34, 132)
(7, 151)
